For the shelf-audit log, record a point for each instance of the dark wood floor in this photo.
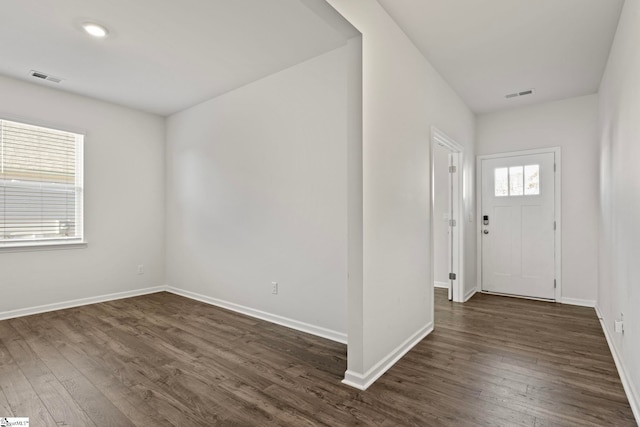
(165, 360)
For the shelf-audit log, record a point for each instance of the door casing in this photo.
(440, 138)
(558, 211)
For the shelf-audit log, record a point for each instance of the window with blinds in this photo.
(40, 185)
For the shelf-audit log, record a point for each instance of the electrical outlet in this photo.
(141, 269)
(274, 288)
(618, 326)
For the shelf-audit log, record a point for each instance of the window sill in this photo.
(42, 246)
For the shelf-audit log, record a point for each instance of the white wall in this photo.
(402, 97)
(619, 133)
(441, 212)
(572, 125)
(257, 192)
(355, 291)
(124, 202)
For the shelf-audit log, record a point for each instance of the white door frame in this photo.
(557, 210)
(440, 138)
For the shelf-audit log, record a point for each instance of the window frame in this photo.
(510, 187)
(79, 242)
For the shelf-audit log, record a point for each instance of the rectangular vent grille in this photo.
(518, 94)
(44, 76)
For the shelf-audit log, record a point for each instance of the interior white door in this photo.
(518, 229)
(454, 227)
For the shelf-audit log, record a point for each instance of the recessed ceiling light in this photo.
(95, 30)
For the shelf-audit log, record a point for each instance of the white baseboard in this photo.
(576, 301)
(263, 315)
(441, 285)
(290, 323)
(78, 302)
(362, 382)
(568, 301)
(629, 389)
(469, 294)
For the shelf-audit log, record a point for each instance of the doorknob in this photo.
(486, 231)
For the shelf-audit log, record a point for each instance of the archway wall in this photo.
(391, 308)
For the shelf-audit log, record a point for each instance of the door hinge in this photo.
(452, 169)
(554, 284)
(452, 222)
(554, 225)
(554, 167)
(452, 276)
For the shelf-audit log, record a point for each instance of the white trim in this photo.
(469, 294)
(440, 138)
(576, 301)
(263, 315)
(519, 153)
(558, 213)
(627, 384)
(441, 285)
(557, 152)
(273, 318)
(78, 302)
(43, 246)
(354, 380)
(78, 240)
(502, 294)
(362, 382)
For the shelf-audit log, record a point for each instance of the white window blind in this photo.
(40, 185)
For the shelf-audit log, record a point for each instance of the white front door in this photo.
(517, 225)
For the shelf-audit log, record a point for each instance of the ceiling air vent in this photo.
(517, 94)
(44, 76)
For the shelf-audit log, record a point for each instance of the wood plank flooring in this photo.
(166, 360)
